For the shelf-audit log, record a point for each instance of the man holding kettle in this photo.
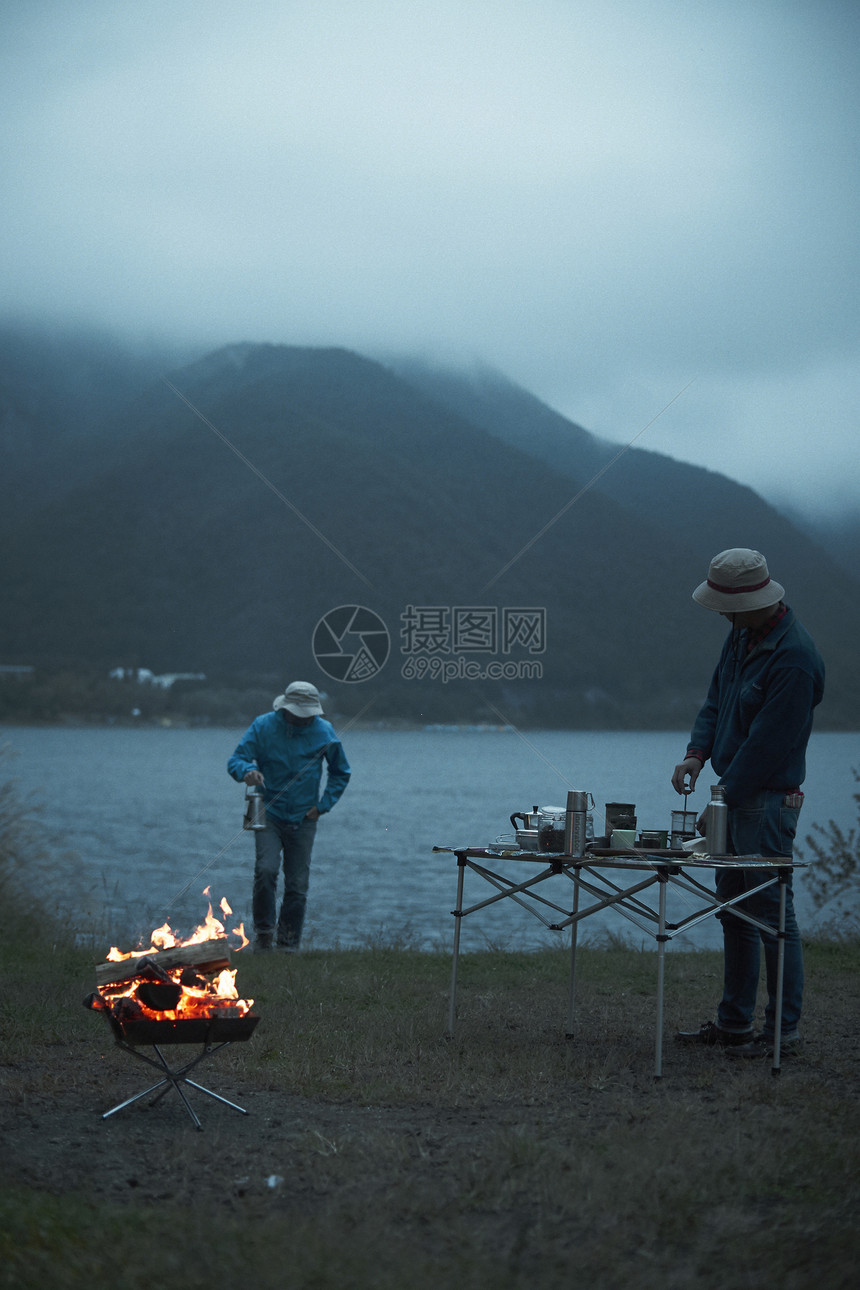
(754, 728)
(282, 752)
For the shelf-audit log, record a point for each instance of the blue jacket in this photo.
(290, 759)
(757, 718)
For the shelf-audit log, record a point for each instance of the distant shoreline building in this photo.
(143, 676)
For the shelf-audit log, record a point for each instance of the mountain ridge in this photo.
(213, 537)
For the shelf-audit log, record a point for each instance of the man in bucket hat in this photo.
(754, 728)
(283, 751)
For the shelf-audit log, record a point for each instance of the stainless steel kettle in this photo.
(254, 818)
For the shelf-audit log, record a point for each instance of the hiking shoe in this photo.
(262, 943)
(762, 1046)
(710, 1034)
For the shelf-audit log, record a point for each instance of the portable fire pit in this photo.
(175, 992)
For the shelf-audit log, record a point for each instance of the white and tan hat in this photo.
(738, 580)
(301, 698)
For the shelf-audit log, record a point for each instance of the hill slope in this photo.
(229, 511)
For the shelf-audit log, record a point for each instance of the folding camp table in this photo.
(616, 881)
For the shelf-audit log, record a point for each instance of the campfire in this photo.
(175, 989)
(175, 992)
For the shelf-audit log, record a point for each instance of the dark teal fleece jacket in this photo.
(290, 759)
(757, 719)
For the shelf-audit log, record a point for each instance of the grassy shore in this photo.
(379, 1153)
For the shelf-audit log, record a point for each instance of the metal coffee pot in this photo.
(530, 819)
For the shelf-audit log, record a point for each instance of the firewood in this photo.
(207, 956)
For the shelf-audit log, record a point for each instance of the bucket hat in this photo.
(301, 698)
(738, 580)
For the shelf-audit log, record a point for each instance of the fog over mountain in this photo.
(207, 518)
(644, 214)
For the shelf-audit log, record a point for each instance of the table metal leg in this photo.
(457, 911)
(661, 970)
(780, 975)
(571, 995)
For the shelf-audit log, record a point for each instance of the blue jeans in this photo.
(291, 844)
(762, 826)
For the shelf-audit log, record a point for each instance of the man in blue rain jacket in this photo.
(754, 728)
(283, 752)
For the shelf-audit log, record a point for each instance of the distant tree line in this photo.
(51, 697)
(63, 695)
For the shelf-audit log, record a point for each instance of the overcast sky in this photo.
(605, 199)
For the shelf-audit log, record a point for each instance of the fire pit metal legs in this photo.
(173, 1079)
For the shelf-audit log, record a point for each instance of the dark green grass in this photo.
(508, 1156)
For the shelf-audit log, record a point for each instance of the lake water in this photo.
(136, 822)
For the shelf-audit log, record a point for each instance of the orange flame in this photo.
(202, 996)
(210, 997)
(165, 938)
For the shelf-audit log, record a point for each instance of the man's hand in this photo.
(255, 777)
(313, 814)
(690, 766)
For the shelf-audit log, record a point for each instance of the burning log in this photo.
(208, 956)
(159, 996)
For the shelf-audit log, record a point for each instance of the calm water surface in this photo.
(137, 822)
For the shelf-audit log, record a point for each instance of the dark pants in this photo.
(763, 826)
(290, 845)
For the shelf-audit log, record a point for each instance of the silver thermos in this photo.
(576, 823)
(715, 822)
(255, 808)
